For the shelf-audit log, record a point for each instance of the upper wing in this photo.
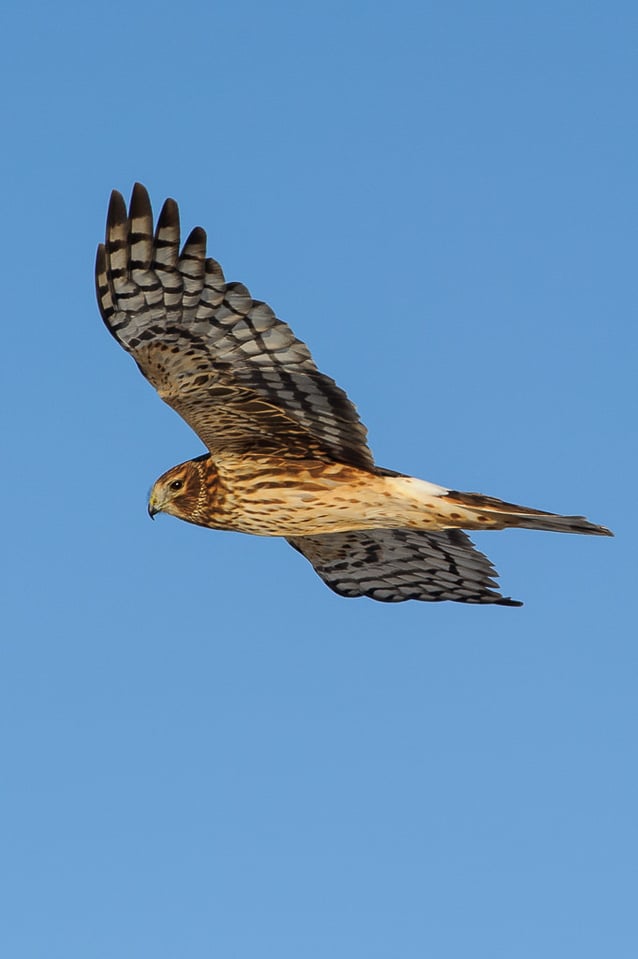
(222, 360)
(393, 565)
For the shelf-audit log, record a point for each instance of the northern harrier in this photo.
(287, 452)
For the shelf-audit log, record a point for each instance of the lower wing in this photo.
(392, 565)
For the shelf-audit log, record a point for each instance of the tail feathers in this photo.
(486, 512)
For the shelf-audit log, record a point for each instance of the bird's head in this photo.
(178, 492)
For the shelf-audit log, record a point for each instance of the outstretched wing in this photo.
(222, 360)
(393, 565)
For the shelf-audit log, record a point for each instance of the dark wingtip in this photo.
(117, 210)
(197, 237)
(140, 202)
(169, 214)
(100, 259)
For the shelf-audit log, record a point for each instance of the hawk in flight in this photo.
(287, 454)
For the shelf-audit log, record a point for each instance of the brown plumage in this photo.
(287, 452)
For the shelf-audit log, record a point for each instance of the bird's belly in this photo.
(313, 505)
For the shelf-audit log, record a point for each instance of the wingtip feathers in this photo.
(116, 215)
(140, 206)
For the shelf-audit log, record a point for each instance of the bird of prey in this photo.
(287, 454)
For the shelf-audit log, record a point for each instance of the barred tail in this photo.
(486, 512)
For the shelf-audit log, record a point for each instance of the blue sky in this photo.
(203, 751)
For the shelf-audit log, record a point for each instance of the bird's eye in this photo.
(176, 484)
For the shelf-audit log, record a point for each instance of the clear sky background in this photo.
(204, 752)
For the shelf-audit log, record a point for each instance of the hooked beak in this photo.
(152, 507)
